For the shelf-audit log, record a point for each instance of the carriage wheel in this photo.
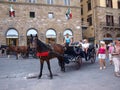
(79, 62)
(93, 57)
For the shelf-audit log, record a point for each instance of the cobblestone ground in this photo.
(13, 75)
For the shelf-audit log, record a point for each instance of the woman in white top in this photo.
(85, 45)
(116, 58)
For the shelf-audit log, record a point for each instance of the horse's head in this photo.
(40, 46)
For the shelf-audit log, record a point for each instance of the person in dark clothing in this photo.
(3, 51)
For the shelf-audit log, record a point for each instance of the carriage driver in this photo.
(67, 40)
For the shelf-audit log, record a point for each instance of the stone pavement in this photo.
(13, 75)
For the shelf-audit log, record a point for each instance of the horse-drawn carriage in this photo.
(46, 53)
(75, 53)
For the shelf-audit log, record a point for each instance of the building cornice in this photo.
(38, 4)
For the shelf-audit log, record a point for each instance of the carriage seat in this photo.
(76, 44)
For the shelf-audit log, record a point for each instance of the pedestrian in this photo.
(102, 52)
(110, 51)
(3, 51)
(116, 58)
(31, 40)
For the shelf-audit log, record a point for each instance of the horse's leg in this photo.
(27, 54)
(41, 68)
(61, 63)
(49, 68)
(16, 55)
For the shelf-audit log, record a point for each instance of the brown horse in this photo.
(46, 52)
(23, 50)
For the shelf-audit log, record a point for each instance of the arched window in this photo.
(31, 31)
(68, 31)
(50, 34)
(12, 33)
(12, 37)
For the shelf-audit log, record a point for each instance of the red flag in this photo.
(11, 12)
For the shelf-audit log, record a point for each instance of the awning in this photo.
(50, 34)
(11, 36)
(31, 31)
(118, 38)
(68, 32)
(108, 39)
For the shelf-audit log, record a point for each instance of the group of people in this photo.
(112, 51)
(84, 44)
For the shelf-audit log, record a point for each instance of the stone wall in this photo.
(22, 22)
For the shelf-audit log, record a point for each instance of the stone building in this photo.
(103, 17)
(46, 18)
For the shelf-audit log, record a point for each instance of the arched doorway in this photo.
(107, 38)
(68, 31)
(12, 37)
(30, 32)
(50, 36)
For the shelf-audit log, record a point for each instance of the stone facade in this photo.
(103, 29)
(22, 22)
(99, 30)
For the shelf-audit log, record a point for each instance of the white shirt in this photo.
(85, 45)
